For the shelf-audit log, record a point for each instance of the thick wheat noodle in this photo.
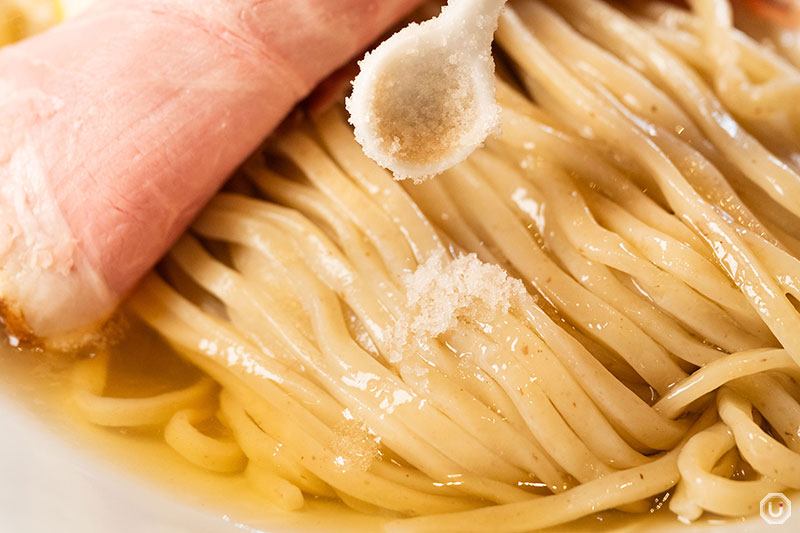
(89, 381)
(216, 455)
(603, 493)
(343, 279)
(628, 413)
(731, 83)
(480, 416)
(322, 404)
(150, 302)
(712, 492)
(564, 376)
(569, 153)
(315, 205)
(774, 403)
(512, 238)
(763, 119)
(744, 267)
(608, 438)
(563, 351)
(525, 199)
(435, 203)
(213, 226)
(564, 392)
(764, 453)
(265, 451)
(678, 259)
(600, 391)
(572, 403)
(277, 490)
(605, 283)
(651, 103)
(528, 203)
(594, 63)
(338, 138)
(446, 392)
(257, 368)
(709, 183)
(682, 504)
(195, 261)
(762, 106)
(542, 418)
(785, 266)
(609, 248)
(761, 62)
(326, 176)
(715, 374)
(763, 168)
(375, 317)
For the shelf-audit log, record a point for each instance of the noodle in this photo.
(596, 307)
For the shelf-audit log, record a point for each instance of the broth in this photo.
(141, 364)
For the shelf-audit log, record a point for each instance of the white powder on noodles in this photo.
(441, 292)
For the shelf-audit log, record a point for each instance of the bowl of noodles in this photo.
(591, 323)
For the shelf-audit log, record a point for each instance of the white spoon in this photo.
(425, 98)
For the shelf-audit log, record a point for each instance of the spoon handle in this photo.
(477, 18)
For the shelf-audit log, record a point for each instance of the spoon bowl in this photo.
(425, 98)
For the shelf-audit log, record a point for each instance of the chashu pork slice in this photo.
(118, 126)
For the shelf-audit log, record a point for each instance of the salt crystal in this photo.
(442, 292)
(354, 447)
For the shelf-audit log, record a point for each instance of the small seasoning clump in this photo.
(441, 292)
